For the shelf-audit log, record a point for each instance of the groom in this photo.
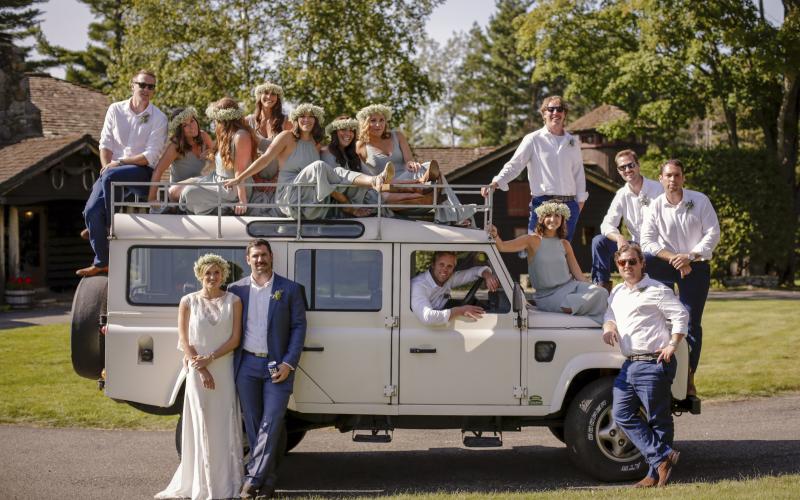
(274, 329)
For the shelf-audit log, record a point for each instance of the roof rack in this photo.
(469, 189)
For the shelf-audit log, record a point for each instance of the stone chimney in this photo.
(19, 118)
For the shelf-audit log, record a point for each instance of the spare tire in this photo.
(88, 344)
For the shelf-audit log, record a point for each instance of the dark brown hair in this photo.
(278, 117)
(630, 247)
(672, 161)
(182, 143)
(347, 156)
(561, 232)
(259, 242)
(317, 133)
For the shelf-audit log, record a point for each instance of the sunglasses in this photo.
(627, 166)
(143, 85)
(629, 262)
(556, 109)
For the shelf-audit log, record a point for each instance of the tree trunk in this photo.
(730, 120)
(787, 157)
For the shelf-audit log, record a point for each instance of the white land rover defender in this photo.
(369, 366)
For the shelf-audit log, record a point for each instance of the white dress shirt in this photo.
(255, 332)
(127, 134)
(629, 206)
(689, 227)
(428, 299)
(641, 316)
(555, 165)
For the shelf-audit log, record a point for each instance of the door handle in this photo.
(314, 348)
(422, 350)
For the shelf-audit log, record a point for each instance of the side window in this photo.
(341, 280)
(465, 263)
(160, 276)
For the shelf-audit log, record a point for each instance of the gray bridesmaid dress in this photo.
(202, 200)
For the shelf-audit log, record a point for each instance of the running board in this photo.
(374, 436)
(378, 429)
(476, 439)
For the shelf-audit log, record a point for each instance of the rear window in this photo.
(160, 276)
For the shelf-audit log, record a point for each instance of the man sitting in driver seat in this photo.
(430, 290)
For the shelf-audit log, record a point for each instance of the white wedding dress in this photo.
(211, 459)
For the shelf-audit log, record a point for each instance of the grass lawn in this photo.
(750, 349)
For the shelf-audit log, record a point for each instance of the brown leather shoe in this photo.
(647, 482)
(85, 234)
(665, 467)
(91, 271)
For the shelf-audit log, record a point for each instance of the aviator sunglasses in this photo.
(144, 85)
(629, 262)
(556, 109)
(627, 166)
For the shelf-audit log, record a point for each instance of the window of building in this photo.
(341, 280)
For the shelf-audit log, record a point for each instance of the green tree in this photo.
(90, 66)
(18, 21)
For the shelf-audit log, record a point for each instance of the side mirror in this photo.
(519, 302)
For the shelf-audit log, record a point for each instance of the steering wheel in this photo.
(470, 296)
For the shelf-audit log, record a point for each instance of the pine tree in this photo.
(18, 21)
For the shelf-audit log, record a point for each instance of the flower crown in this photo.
(212, 259)
(180, 118)
(373, 109)
(224, 114)
(306, 109)
(342, 124)
(552, 208)
(268, 88)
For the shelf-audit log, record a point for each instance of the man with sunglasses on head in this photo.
(555, 166)
(133, 137)
(628, 205)
(637, 317)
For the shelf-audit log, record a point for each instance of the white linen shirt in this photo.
(689, 227)
(629, 206)
(255, 332)
(428, 299)
(554, 167)
(127, 134)
(641, 316)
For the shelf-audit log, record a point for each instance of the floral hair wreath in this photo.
(306, 109)
(224, 114)
(373, 109)
(342, 124)
(552, 208)
(212, 259)
(268, 88)
(180, 118)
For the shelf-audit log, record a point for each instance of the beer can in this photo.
(272, 366)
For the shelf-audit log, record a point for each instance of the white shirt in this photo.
(255, 332)
(127, 134)
(629, 206)
(641, 316)
(555, 165)
(428, 299)
(689, 227)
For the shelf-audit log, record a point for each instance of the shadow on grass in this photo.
(520, 469)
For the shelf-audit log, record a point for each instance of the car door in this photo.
(465, 362)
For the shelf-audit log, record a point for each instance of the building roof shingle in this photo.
(18, 158)
(451, 159)
(67, 108)
(600, 115)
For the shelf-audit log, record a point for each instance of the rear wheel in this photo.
(87, 343)
(557, 431)
(594, 442)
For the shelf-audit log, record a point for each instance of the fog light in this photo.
(544, 351)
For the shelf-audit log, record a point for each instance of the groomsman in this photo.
(679, 234)
(555, 166)
(628, 205)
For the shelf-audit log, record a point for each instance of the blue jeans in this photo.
(692, 292)
(646, 384)
(97, 213)
(263, 410)
(574, 212)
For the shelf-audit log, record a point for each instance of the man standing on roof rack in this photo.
(133, 137)
(555, 166)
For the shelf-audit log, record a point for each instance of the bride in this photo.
(209, 329)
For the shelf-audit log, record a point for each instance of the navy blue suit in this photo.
(264, 403)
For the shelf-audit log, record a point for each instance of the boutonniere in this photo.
(277, 295)
(571, 141)
(644, 200)
(689, 205)
(144, 117)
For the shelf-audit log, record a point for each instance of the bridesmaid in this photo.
(234, 150)
(554, 271)
(185, 155)
(297, 152)
(209, 329)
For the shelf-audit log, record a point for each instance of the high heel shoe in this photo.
(381, 181)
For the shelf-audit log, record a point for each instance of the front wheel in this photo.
(594, 442)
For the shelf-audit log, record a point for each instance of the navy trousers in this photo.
(97, 212)
(263, 410)
(692, 292)
(574, 212)
(603, 250)
(646, 384)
